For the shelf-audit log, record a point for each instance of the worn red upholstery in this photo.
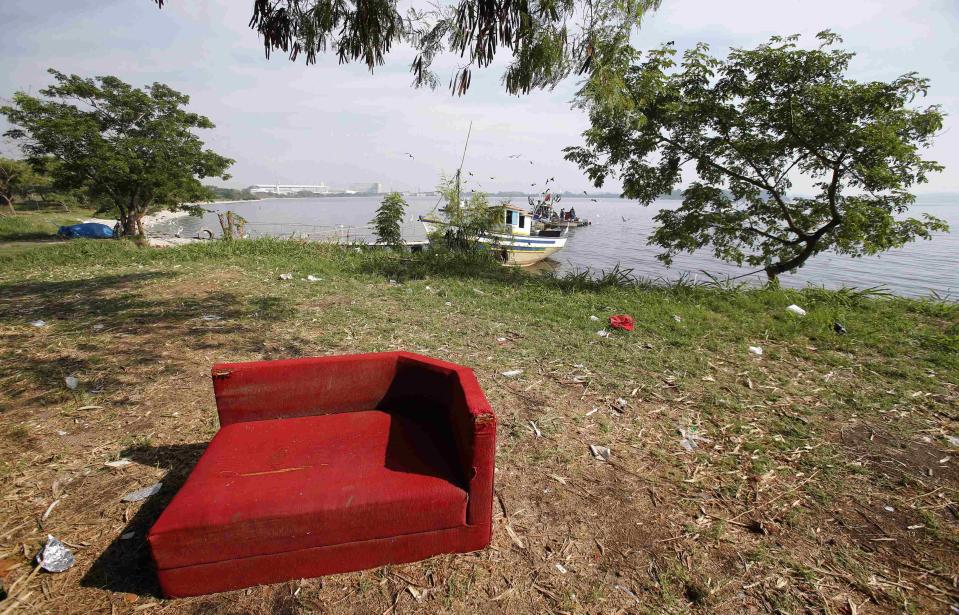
(331, 465)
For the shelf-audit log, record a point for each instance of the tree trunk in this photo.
(797, 261)
(9, 204)
(129, 223)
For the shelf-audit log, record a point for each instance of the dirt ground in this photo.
(788, 502)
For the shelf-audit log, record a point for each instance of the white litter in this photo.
(561, 568)
(209, 317)
(60, 432)
(49, 510)
(449, 303)
(689, 438)
(119, 463)
(313, 278)
(501, 340)
(55, 556)
(98, 327)
(38, 323)
(602, 333)
(756, 350)
(889, 509)
(592, 412)
(594, 318)
(536, 430)
(72, 382)
(286, 276)
(600, 452)
(142, 494)
(620, 404)
(513, 373)
(795, 309)
(677, 318)
(953, 440)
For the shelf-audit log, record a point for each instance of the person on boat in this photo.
(562, 214)
(572, 213)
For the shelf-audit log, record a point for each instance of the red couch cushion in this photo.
(272, 486)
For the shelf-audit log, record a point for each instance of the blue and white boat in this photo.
(518, 245)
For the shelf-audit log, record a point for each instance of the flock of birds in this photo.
(532, 185)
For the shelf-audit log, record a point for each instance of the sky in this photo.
(292, 123)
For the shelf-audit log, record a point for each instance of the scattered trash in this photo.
(916, 527)
(393, 283)
(539, 434)
(600, 452)
(313, 278)
(512, 373)
(210, 317)
(708, 379)
(594, 318)
(592, 412)
(838, 328)
(622, 321)
(55, 556)
(756, 350)
(690, 437)
(561, 568)
(286, 276)
(795, 309)
(417, 594)
(603, 333)
(119, 463)
(142, 494)
(620, 404)
(953, 440)
(677, 318)
(72, 383)
(501, 340)
(127, 536)
(478, 291)
(889, 509)
(559, 479)
(38, 323)
(449, 303)
(98, 327)
(60, 432)
(428, 288)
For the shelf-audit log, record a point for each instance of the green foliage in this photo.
(547, 41)
(750, 123)
(468, 220)
(134, 148)
(231, 194)
(386, 223)
(14, 175)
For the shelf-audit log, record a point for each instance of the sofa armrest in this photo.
(263, 390)
(474, 429)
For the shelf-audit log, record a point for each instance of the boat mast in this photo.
(459, 171)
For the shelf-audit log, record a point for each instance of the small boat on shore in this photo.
(518, 245)
(545, 216)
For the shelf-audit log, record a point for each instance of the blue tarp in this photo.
(92, 230)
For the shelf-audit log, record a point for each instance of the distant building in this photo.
(367, 188)
(289, 188)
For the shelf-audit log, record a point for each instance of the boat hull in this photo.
(515, 250)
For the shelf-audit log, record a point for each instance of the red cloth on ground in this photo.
(622, 321)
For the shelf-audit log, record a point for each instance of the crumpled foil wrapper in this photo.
(55, 557)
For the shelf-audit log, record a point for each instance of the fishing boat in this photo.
(518, 245)
(545, 216)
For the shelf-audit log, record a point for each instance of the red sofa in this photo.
(328, 465)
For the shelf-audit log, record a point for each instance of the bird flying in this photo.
(408, 154)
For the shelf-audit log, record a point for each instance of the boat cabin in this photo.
(518, 221)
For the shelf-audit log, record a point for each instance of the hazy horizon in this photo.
(291, 123)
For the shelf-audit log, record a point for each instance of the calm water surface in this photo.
(915, 270)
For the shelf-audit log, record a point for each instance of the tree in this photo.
(751, 124)
(133, 147)
(386, 223)
(14, 175)
(548, 40)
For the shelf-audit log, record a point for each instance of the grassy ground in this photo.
(29, 229)
(824, 481)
